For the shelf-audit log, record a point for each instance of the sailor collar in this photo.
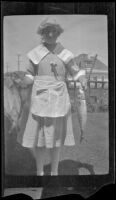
(39, 52)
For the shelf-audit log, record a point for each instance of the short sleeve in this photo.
(31, 69)
(72, 68)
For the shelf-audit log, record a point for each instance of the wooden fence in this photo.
(90, 84)
(96, 94)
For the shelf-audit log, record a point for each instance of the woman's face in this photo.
(50, 35)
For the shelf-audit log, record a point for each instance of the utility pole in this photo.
(19, 55)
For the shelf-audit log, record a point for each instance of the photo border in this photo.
(79, 182)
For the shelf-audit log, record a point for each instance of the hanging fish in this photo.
(16, 97)
(12, 104)
(80, 101)
(81, 108)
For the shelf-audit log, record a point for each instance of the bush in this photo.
(103, 108)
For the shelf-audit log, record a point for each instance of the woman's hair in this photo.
(47, 25)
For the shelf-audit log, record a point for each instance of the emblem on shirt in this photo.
(53, 68)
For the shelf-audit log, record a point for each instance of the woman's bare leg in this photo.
(39, 153)
(55, 156)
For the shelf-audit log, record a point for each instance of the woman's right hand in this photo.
(27, 80)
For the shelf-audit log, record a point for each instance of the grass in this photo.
(81, 158)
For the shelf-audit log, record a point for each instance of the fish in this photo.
(81, 109)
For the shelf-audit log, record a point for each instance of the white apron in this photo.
(50, 98)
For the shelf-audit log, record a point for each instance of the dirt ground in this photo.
(34, 193)
(93, 153)
(89, 157)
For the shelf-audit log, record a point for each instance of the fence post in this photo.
(103, 82)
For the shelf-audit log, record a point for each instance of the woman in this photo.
(49, 124)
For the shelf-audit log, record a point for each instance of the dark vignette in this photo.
(84, 185)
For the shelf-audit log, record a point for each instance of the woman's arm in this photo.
(76, 73)
(30, 73)
(79, 99)
(28, 78)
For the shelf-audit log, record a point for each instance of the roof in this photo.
(82, 59)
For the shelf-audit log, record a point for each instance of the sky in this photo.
(82, 34)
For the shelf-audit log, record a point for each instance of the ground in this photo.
(89, 157)
(93, 153)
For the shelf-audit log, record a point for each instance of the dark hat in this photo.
(49, 23)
